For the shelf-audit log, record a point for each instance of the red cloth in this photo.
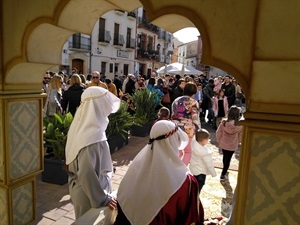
(182, 208)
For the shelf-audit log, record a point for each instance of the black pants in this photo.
(227, 155)
(201, 181)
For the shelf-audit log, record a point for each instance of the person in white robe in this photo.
(87, 152)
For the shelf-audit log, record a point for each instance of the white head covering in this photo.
(155, 174)
(90, 121)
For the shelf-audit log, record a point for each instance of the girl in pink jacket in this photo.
(229, 135)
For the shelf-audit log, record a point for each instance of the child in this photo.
(201, 161)
(163, 114)
(229, 135)
(219, 107)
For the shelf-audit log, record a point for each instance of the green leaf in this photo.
(120, 122)
(145, 105)
(55, 133)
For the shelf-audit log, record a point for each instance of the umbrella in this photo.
(178, 68)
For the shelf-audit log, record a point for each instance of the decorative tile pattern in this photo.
(22, 203)
(1, 146)
(274, 192)
(24, 137)
(3, 207)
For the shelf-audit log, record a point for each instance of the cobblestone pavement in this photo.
(55, 207)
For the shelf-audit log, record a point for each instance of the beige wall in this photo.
(255, 41)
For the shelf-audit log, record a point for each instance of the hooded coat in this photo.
(229, 135)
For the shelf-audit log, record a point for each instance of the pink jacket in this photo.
(215, 107)
(218, 85)
(229, 136)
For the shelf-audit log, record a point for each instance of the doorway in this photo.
(78, 64)
(125, 69)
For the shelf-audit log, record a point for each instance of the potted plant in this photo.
(118, 127)
(145, 111)
(55, 138)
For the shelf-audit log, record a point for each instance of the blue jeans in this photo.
(201, 181)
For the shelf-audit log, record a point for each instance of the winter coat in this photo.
(52, 104)
(228, 135)
(71, 98)
(201, 161)
(130, 87)
(215, 106)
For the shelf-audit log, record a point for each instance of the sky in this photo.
(187, 34)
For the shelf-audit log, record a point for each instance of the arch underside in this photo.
(234, 37)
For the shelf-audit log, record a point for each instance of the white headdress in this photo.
(155, 174)
(90, 120)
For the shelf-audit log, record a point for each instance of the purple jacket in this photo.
(229, 136)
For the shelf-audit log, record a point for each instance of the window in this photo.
(116, 67)
(76, 40)
(143, 41)
(116, 34)
(150, 44)
(111, 67)
(125, 68)
(128, 37)
(103, 67)
(101, 37)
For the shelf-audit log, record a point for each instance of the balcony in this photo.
(167, 59)
(142, 54)
(168, 38)
(119, 40)
(161, 34)
(131, 16)
(161, 58)
(145, 24)
(80, 43)
(130, 44)
(119, 12)
(148, 54)
(104, 37)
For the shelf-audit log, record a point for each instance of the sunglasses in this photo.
(95, 77)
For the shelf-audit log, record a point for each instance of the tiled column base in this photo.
(21, 156)
(18, 203)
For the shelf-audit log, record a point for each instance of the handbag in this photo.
(166, 98)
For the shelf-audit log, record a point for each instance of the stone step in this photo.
(97, 216)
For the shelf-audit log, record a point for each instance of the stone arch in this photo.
(36, 55)
(261, 39)
(191, 19)
(38, 49)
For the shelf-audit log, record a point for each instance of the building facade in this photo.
(121, 43)
(259, 45)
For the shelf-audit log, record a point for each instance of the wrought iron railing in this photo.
(80, 42)
(132, 14)
(119, 40)
(104, 36)
(144, 23)
(130, 43)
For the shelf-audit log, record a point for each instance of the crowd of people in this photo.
(177, 142)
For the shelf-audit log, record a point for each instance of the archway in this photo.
(239, 37)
